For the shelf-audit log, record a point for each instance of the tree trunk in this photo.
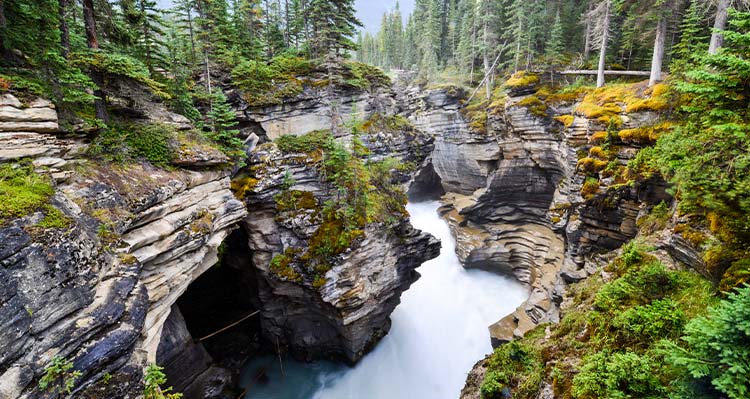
(100, 104)
(486, 60)
(658, 57)
(587, 35)
(64, 34)
(603, 50)
(717, 39)
(192, 37)
(90, 24)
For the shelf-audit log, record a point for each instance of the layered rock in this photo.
(311, 110)
(463, 158)
(341, 311)
(98, 289)
(515, 203)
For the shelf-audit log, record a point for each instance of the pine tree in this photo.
(692, 34)
(556, 45)
(222, 123)
(333, 24)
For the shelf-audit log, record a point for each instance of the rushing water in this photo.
(439, 331)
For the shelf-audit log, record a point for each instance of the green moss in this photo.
(270, 83)
(152, 142)
(53, 219)
(656, 220)
(295, 200)
(535, 105)
(590, 187)
(386, 123)
(22, 191)
(281, 265)
(365, 76)
(127, 142)
(243, 185)
(314, 141)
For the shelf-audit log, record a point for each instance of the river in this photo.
(439, 331)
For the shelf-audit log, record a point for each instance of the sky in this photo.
(369, 12)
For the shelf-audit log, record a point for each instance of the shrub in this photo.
(590, 187)
(617, 375)
(718, 345)
(152, 142)
(57, 378)
(153, 378)
(23, 191)
(658, 319)
(119, 64)
(514, 367)
(637, 286)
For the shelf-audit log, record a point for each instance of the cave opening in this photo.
(426, 185)
(214, 327)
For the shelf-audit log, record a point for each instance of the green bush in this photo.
(636, 287)
(123, 143)
(267, 84)
(151, 141)
(717, 346)
(57, 378)
(23, 191)
(618, 375)
(118, 64)
(515, 366)
(648, 323)
(153, 378)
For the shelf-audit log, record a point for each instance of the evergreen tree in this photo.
(692, 34)
(333, 24)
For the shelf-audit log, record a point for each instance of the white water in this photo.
(439, 331)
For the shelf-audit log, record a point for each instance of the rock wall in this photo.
(343, 316)
(514, 198)
(98, 291)
(311, 110)
(462, 158)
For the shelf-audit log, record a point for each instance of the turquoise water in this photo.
(439, 331)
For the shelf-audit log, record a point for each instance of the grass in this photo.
(22, 191)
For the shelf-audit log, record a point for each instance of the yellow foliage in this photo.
(522, 78)
(645, 135)
(597, 152)
(592, 110)
(242, 186)
(591, 165)
(534, 104)
(648, 104)
(566, 120)
(598, 137)
(605, 102)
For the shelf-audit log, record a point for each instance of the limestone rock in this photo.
(40, 116)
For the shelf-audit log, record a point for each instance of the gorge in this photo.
(501, 191)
